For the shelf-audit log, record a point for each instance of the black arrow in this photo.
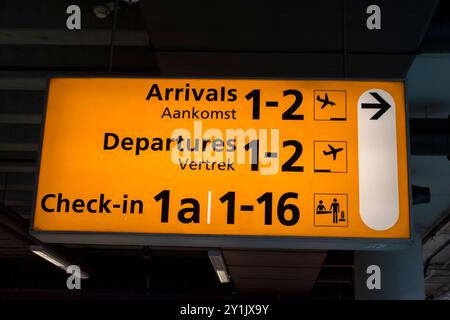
(382, 105)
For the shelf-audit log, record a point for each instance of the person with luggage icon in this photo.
(335, 209)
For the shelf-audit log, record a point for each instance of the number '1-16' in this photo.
(267, 199)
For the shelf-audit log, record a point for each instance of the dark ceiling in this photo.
(320, 39)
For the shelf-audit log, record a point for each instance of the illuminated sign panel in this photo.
(224, 157)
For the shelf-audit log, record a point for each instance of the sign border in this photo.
(221, 241)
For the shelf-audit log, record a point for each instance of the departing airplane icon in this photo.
(325, 101)
(332, 151)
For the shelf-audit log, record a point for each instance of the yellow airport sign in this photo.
(224, 157)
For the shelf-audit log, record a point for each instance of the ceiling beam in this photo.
(91, 37)
(17, 187)
(8, 146)
(11, 166)
(23, 83)
(20, 118)
(18, 203)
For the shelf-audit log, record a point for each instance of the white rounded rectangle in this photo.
(377, 157)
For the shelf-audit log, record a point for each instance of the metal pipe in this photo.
(435, 253)
(437, 228)
(113, 35)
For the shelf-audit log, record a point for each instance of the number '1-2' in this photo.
(255, 96)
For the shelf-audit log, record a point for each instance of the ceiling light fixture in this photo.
(54, 258)
(103, 11)
(216, 258)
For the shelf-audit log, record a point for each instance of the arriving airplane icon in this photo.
(325, 101)
(332, 151)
